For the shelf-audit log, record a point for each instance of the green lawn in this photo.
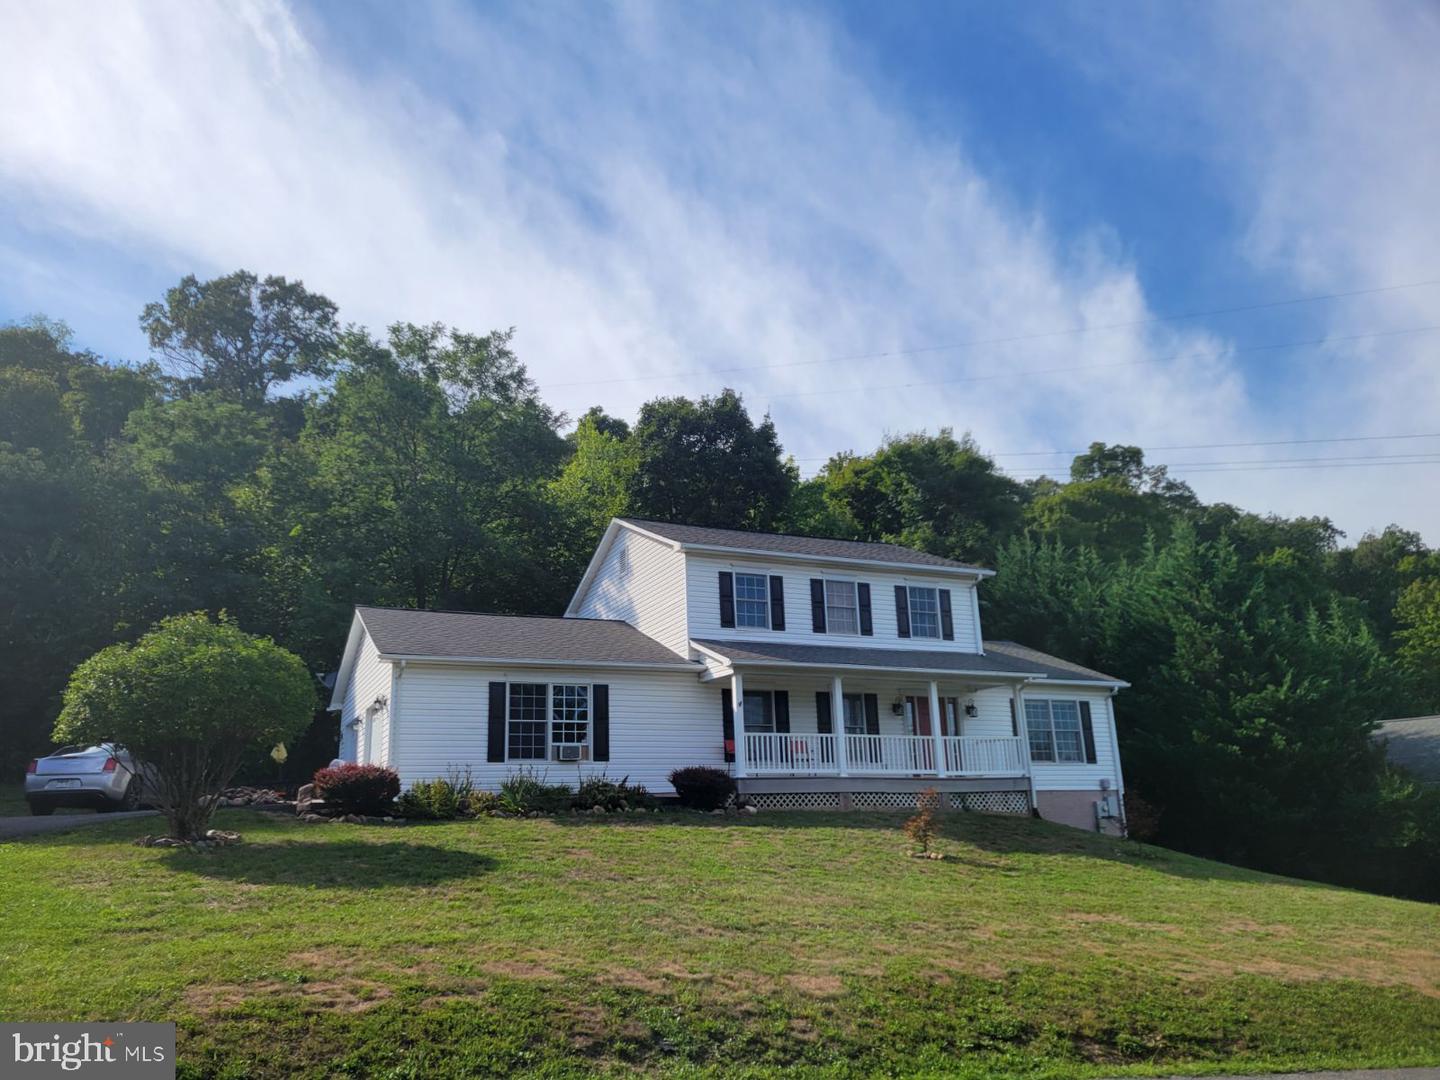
(686, 944)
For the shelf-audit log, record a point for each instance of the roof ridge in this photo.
(946, 559)
(486, 614)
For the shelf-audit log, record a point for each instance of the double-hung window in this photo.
(842, 608)
(924, 612)
(854, 714)
(1053, 728)
(752, 601)
(546, 714)
(759, 710)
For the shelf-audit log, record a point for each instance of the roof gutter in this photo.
(685, 666)
(975, 573)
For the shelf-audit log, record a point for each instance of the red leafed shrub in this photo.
(358, 789)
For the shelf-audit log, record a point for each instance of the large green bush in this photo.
(188, 700)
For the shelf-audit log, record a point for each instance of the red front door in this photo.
(920, 710)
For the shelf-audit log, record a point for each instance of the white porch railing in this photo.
(891, 754)
(792, 754)
(976, 755)
(782, 752)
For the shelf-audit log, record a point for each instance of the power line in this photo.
(1098, 367)
(1006, 340)
(1199, 446)
(1276, 466)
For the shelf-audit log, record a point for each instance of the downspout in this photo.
(397, 672)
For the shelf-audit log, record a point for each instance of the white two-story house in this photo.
(821, 673)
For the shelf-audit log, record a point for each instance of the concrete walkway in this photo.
(12, 828)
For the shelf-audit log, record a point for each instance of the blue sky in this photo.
(655, 195)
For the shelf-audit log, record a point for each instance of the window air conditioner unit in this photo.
(568, 752)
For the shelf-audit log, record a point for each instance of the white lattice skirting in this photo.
(990, 802)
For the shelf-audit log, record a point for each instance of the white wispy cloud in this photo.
(650, 189)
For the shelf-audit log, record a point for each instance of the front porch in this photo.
(935, 755)
(790, 724)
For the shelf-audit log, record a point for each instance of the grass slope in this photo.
(693, 945)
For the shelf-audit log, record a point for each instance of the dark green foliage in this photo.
(526, 791)
(188, 700)
(610, 794)
(442, 799)
(707, 463)
(241, 336)
(358, 789)
(700, 787)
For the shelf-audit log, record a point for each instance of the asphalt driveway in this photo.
(12, 828)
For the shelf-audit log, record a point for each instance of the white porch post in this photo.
(737, 701)
(837, 725)
(935, 728)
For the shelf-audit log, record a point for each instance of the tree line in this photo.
(273, 463)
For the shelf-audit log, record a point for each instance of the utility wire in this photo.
(1005, 340)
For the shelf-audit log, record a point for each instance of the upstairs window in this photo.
(752, 601)
(924, 612)
(1054, 731)
(842, 609)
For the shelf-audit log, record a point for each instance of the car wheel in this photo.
(131, 801)
(41, 809)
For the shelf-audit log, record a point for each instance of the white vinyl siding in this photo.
(703, 604)
(641, 582)
(369, 742)
(658, 722)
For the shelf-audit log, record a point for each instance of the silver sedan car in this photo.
(103, 777)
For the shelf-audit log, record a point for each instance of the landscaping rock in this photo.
(221, 838)
(314, 817)
(303, 798)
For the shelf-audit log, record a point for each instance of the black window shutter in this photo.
(817, 605)
(947, 619)
(727, 599)
(727, 723)
(495, 734)
(824, 721)
(1014, 723)
(777, 603)
(862, 593)
(872, 714)
(600, 734)
(782, 710)
(902, 610)
(1087, 728)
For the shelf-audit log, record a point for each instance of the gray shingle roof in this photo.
(464, 635)
(1413, 744)
(817, 546)
(1007, 659)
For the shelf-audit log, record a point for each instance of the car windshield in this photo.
(67, 751)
